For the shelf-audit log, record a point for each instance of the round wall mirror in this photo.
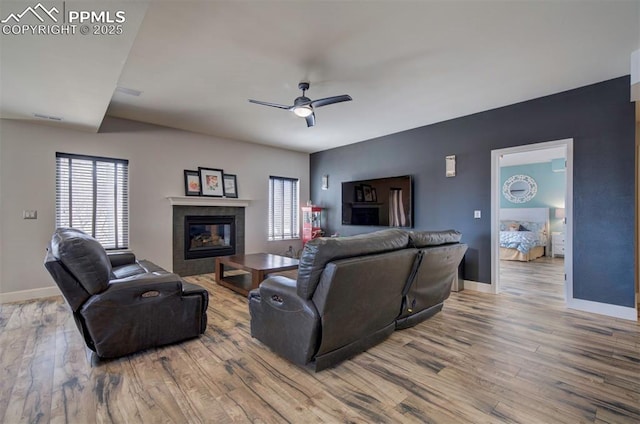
(519, 188)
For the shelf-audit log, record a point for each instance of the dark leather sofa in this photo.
(353, 292)
(122, 305)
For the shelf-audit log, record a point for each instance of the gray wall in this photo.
(600, 119)
(157, 158)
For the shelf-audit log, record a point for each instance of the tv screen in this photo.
(384, 202)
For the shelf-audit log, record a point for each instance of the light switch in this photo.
(29, 214)
(477, 214)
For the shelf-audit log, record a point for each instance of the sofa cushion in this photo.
(320, 251)
(357, 297)
(84, 257)
(125, 271)
(433, 238)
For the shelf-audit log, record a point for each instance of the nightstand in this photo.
(557, 244)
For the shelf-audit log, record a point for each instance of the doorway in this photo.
(521, 189)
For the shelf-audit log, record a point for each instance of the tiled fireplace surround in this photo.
(184, 267)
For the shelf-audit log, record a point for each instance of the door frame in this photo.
(496, 189)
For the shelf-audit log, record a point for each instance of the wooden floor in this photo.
(519, 356)
(542, 278)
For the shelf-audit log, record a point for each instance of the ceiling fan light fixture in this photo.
(303, 106)
(303, 111)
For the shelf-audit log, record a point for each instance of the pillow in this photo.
(536, 227)
(504, 225)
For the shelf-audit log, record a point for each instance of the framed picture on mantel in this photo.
(230, 185)
(191, 183)
(211, 182)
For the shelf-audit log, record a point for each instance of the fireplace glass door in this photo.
(209, 236)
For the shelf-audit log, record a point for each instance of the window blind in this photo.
(283, 208)
(92, 195)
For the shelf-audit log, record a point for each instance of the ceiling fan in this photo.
(303, 106)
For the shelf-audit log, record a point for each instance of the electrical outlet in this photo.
(29, 214)
(477, 214)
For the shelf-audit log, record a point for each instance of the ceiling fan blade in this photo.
(258, 102)
(311, 120)
(331, 100)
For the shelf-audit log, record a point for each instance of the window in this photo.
(92, 195)
(283, 208)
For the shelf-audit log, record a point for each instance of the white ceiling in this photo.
(405, 63)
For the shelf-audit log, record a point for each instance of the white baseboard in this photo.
(22, 295)
(476, 286)
(614, 311)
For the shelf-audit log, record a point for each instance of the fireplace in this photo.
(226, 226)
(209, 236)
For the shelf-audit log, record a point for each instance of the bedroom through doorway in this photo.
(530, 216)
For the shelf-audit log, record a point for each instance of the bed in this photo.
(523, 233)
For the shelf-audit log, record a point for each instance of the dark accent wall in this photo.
(599, 118)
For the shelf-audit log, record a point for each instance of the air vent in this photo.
(48, 117)
(128, 91)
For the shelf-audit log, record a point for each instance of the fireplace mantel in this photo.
(208, 201)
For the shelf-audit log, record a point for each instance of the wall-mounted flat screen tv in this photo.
(384, 202)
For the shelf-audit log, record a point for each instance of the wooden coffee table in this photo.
(258, 266)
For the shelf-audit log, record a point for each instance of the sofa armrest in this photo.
(282, 320)
(280, 292)
(121, 258)
(195, 291)
(189, 289)
(138, 288)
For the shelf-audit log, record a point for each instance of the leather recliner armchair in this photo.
(122, 305)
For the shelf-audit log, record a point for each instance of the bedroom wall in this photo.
(157, 157)
(599, 118)
(551, 189)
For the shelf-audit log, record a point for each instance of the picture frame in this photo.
(211, 183)
(358, 194)
(230, 185)
(191, 183)
(325, 182)
(374, 195)
(366, 190)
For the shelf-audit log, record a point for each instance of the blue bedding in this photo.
(523, 241)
